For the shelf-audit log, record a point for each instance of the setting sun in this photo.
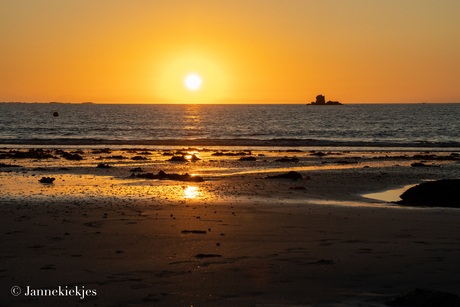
(242, 51)
(193, 82)
(196, 76)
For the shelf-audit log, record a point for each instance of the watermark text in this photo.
(72, 291)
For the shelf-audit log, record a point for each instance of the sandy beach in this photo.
(230, 153)
(235, 239)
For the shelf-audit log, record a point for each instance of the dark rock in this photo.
(441, 193)
(425, 298)
(102, 165)
(164, 176)
(72, 156)
(55, 114)
(248, 159)
(240, 153)
(99, 151)
(346, 162)
(319, 154)
(137, 158)
(116, 157)
(146, 176)
(423, 157)
(207, 255)
(178, 159)
(194, 231)
(137, 170)
(290, 175)
(8, 165)
(30, 154)
(286, 159)
(418, 164)
(46, 180)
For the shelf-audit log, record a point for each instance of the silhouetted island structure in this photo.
(321, 101)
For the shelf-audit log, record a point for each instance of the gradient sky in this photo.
(248, 51)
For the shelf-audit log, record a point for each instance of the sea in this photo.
(433, 127)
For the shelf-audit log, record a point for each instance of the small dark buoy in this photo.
(55, 114)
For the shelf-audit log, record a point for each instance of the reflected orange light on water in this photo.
(192, 156)
(67, 187)
(191, 192)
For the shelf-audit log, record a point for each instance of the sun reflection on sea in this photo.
(192, 121)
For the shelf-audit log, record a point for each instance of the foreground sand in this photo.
(258, 242)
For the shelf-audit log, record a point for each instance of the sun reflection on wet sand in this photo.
(72, 187)
(225, 177)
(191, 192)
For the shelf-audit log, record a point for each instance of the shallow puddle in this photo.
(390, 195)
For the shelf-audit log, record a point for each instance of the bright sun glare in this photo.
(193, 82)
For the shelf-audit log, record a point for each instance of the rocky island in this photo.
(321, 101)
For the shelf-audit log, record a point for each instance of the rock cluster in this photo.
(164, 176)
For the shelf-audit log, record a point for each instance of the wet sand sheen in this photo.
(238, 240)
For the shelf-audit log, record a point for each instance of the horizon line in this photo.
(212, 103)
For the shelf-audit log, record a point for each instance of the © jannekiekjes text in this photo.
(59, 291)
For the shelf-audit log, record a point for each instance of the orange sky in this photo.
(247, 51)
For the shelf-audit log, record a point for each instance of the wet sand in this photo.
(236, 239)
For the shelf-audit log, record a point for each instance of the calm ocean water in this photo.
(353, 125)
